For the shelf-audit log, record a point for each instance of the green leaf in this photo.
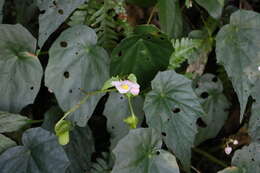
(116, 110)
(53, 14)
(79, 150)
(76, 63)
(173, 108)
(12, 122)
(40, 153)
(5, 143)
(232, 170)
(248, 158)
(143, 54)
(2, 2)
(142, 148)
(238, 49)
(108, 83)
(214, 7)
(170, 17)
(209, 88)
(18, 65)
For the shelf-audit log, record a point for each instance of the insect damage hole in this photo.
(176, 110)
(204, 95)
(66, 74)
(60, 11)
(63, 44)
(215, 79)
(163, 134)
(31, 88)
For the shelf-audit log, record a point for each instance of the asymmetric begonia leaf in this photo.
(238, 49)
(5, 143)
(116, 110)
(209, 88)
(144, 54)
(214, 7)
(248, 158)
(20, 69)
(142, 148)
(12, 122)
(53, 14)
(173, 108)
(76, 63)
(170, 16)
(40, 153)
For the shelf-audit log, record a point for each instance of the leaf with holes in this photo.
(20, 69)
(170, 17)
(209, 88)
(40, 153)
(80, 149)
(12, 122)
(76, 63)
(248, 158)
(173, 108)
(5, 143)
(214, 7)
(53, 14)
(144, 54)
(238, 49)
(142, 148)
(116, 110)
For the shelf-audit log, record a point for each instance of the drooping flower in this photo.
(127, 86)
(228, 150)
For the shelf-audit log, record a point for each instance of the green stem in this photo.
(43, 53)
(130, 106)
(151, 15)
(210, 157)
(81, 102)
(34, 121)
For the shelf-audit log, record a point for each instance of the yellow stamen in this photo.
(125, 87)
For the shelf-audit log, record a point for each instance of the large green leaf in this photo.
(209, 88)
(12, 122)
(116, 110)
(214, 7)
(77, 63)
(248, 158)
(238, 49)
(80, 149)
(40, 153)
(232, 170)
(173, 108)
(1, 10)
(144, 54)
(5, 143)
(170, 17)
(142, 148)
(53, 14)
(20, 69)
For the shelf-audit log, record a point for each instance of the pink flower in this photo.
(228, 150)
(127, 86)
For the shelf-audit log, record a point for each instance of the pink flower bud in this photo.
(228, 150)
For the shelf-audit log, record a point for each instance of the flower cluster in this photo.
(127, 86)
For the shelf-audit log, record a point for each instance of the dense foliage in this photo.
(129, 86)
